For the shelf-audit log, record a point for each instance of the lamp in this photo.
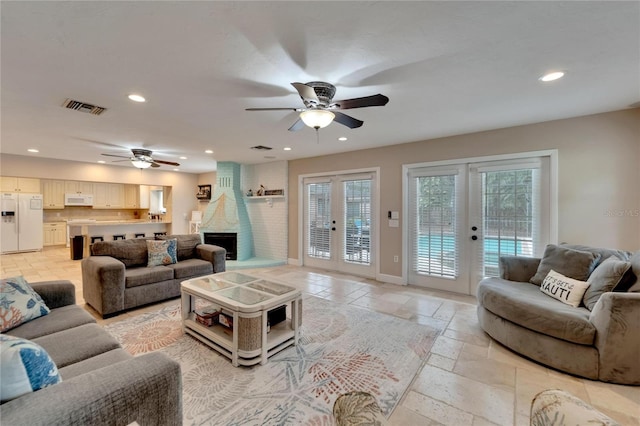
(317, 118)
(141, 164)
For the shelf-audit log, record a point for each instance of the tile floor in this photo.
(468, 378)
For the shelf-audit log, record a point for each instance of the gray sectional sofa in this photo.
(116, 277)
(601, 344)
(101, 384)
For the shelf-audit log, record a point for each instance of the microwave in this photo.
(78, 200)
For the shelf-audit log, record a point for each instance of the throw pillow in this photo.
(574, 264)
(604, 278)
(25, 367)
(565, 289)
(19, 303)
(161, 252)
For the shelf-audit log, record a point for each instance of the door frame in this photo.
(553, 195)
(375, 213)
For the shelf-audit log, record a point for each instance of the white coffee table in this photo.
(248, 300)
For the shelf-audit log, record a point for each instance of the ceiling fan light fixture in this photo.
(140, 164)
(317, 118)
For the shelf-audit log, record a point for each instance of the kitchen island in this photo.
(109, 228)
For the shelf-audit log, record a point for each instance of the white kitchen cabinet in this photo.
(78, 187)
(52, 193)
(54, 233)
(144, 196)
(132, 196)
(19, 184)
(108, 196)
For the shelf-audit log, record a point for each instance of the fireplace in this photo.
(226, 240)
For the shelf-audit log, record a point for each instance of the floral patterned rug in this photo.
(342, 348)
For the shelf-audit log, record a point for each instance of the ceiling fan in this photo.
(320, 109)
(142, 159)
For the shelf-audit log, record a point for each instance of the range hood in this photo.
(78, 200)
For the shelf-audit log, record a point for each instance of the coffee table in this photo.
(248, 300)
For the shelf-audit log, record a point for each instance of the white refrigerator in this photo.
(21, 226)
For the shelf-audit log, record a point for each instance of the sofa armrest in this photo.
(616, 317)
(103, 283)
(214, 254)
(145, 389)
(518, 268)
(56, 294)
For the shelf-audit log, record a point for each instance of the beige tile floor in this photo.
(468, 379)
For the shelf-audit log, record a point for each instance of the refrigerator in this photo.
(21, 226)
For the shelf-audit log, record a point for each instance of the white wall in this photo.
(268, 220)
(184, 185)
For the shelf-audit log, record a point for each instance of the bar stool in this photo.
(157, 234)
(95, 238)
(140, 235)
(119, 237)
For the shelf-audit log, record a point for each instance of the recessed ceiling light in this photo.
(342, 138)
(287, 148)
(208, 151)
(32, 150)
(183, 158)
(176, 170)
(552, 76)
(101, 161)
(137, 98)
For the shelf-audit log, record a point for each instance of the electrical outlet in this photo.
(395, 259)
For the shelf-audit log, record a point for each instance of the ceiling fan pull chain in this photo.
(317, 136)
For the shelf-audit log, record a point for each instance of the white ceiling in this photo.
(447, 67)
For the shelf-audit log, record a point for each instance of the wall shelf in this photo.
(262, 197)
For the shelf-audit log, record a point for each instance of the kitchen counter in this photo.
(108, 228)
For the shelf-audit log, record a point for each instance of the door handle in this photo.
(474, 237)
(333, 229)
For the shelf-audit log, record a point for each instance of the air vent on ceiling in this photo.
(261, 148)
(83, 107)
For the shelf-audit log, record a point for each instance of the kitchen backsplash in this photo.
(90, 213)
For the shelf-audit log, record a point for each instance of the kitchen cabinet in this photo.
(144, 196)
(108, 196)
(52, 193)
(78, 187)
(54, 233)
(132, 196)
(19, 184)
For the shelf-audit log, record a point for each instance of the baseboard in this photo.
(294, 262)
(392, 279)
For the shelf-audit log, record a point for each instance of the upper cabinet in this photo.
(108, 196)
(53, 193)
(19, 184)
(144, 196)
(78, 187)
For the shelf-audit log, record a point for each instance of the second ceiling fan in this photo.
(320, 109)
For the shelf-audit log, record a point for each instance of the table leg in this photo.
(263, 359)
(234, 352)
(186, 306)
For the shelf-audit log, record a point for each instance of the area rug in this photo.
(342, 348)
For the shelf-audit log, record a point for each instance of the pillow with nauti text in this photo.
(565, 289)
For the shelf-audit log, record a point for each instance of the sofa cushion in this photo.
(631, 280)
(25, 367)
(565, 289)
(161, 252)
(134, 277)
(604, 278)
(95, 362)
(19, 303)
(77, 344)
(186, 244)
(571, 263)
(58, 319)
(191, 268)
(524, 304)
(130, 252)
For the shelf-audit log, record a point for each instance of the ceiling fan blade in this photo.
(113, 155)
(367, 101)
(274, 109)
(347, 120)
(306, 92)
(298, 125)
(155, 165)
(120, 161)
(168, 163)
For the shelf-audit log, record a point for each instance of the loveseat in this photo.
(116, 276)
(101, 383)
(598, 339)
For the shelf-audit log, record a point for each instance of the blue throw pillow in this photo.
(19, 303)
(163, 252)
(24, 367)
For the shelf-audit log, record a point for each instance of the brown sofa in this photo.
(115, 277)
(601, 344)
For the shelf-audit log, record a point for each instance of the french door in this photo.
(463, 217)
(338, 223)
